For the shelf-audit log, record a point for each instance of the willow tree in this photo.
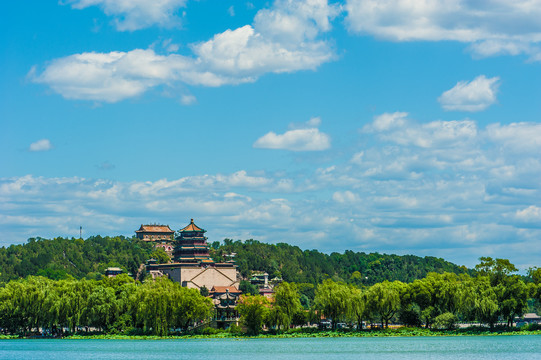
(334, 299)
(286, 304)
(384, 299)
(358, 310)
(253, 310)
(155, 306)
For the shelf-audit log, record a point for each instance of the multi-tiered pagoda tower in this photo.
(192, 245)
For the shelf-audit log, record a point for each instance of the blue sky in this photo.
(407, 127)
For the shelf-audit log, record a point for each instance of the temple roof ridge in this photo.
(154, 228)
(192, 227)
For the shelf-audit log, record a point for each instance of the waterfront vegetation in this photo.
(123, 306)
(57, 287)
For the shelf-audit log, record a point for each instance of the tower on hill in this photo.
(192, 245)
(192, 265)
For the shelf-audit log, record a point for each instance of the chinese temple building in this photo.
(225, 303)
(192, 265)
(155, 233)
(192, 245)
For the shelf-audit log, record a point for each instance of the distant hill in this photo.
(61, 257)
(312, 266)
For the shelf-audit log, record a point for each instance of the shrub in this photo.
(235, 329)
(445, 321)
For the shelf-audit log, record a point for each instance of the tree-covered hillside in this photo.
(60, 257)
(312, 266)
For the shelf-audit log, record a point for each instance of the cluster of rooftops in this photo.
(190, 243)
(153, 232)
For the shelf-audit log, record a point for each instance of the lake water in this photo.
(460, 347)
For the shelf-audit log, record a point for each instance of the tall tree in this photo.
(334, 299)
(286, 304)
(384, 299)
(253, 310)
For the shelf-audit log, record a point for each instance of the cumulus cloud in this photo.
(475, 95)
(516, 137)
(130, 15)
(308, 138)
(479, 23)
(396, 127)
(111, 77)
(282, 39)
(41, 145)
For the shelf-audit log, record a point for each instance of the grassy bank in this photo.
(312, 333)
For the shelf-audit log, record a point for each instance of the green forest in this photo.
(61, 258)
(311, 266)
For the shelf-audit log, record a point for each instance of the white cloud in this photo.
(133, 15)
(475, 95)
(516, 137)
(529, 215)
(314, 122)
(234, 56)
(188, 99)
(41, 145)
(397, 128)
(388, 121)
(492, 27)
(111, 77)
(303, 139)
(294, 21)
(344, 197)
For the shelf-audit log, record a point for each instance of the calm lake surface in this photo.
(460, 347)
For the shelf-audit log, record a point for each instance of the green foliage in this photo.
(234, 329)
(312, 266)
(534, 273)
(248, 288)
(160, 255)
(383, 300)
(359, 308)
(253, 310)
(445, 321)
(286, 305)
(61, 258)
(496, 269)
(334, 300)
(204, 291)
(112, 305)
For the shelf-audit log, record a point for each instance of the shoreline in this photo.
(406, 332)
